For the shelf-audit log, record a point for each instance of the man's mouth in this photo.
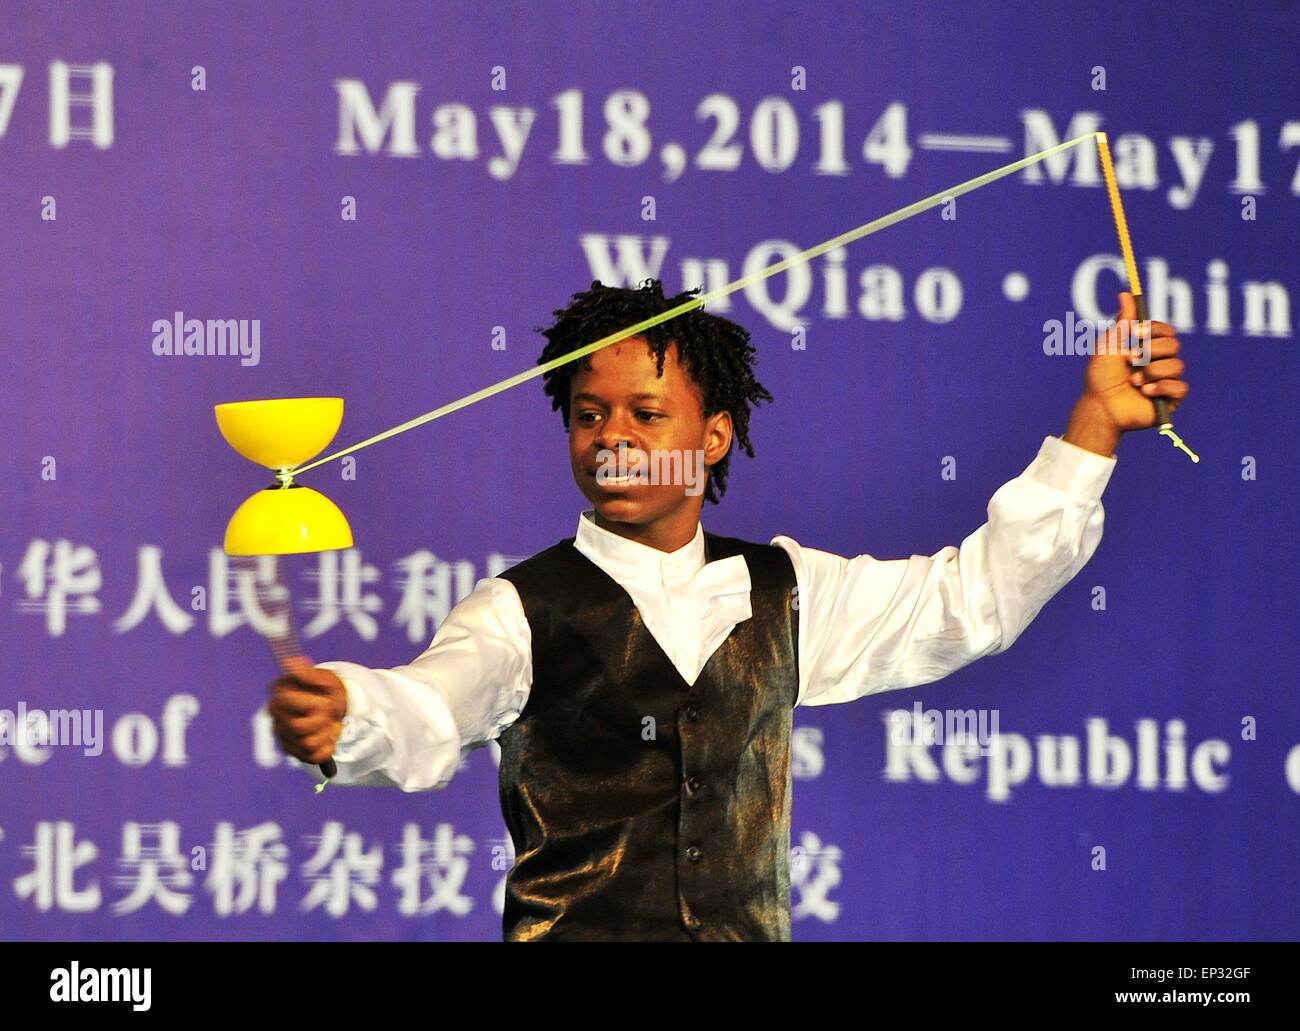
(628, 480)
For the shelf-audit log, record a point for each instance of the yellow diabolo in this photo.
(285, 518)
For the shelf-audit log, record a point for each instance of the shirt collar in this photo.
(623, 558)
(724, 583)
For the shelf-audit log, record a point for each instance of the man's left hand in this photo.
(1123, 391)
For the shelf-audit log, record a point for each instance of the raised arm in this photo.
(869, 625)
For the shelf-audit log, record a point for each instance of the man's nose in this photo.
(616, 433)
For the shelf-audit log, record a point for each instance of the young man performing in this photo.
(640, 676)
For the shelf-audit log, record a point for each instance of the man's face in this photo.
(623, 403)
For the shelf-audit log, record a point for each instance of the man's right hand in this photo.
(307, 709)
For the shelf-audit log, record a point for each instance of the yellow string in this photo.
(884, 222)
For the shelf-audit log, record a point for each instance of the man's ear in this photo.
(718, 434)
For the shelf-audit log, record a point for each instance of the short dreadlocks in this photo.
(715, 352)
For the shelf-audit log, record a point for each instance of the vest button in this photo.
(694, 783)
(693, 854)
(692, 713)
(692, 921)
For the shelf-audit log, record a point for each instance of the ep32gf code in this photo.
(1200, 973)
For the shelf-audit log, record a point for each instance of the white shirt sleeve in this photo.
(411, 726)
(867, 625)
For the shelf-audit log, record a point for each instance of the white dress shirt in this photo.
(865, 624)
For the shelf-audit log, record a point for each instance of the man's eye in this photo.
(652, 415)
(586, 416)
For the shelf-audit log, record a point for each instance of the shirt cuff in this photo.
(363, 745)
(1071, 469)
(357, 716)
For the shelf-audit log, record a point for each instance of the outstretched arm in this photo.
(868, 625)
(410, 726)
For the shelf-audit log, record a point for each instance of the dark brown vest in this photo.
(641, 807)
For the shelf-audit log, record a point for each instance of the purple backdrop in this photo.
(237, 161)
